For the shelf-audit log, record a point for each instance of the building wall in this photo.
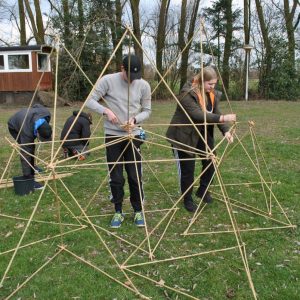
(25, 81)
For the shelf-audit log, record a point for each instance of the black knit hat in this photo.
(132, 64)
(45, 132)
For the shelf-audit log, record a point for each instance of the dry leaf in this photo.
(128, 283)
(161, 282)
(19, 225)
(230, 293)
(8, 234)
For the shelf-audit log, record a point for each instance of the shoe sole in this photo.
(38, 189)
(140, 225)
(115, 227)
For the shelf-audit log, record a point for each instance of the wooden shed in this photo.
(21, 68)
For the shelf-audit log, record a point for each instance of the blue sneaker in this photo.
(117, 220)
(37, 185)
(139, 219)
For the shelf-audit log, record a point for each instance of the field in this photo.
(87, 252)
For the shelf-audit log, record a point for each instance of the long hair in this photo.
(209, 73)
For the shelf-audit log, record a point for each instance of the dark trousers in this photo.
(27, 162)
(186, 169)
(133, 170)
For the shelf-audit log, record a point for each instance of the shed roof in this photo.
(43, 48)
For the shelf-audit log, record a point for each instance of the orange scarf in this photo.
(200, 98)
(202, 103)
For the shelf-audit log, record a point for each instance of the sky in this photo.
(9, 32)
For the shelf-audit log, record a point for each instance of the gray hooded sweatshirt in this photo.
(114, 89)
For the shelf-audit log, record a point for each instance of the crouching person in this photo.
(25, 126)
(76, 143)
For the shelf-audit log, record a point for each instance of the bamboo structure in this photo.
(144, 251)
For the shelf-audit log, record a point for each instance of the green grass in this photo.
(273, 255)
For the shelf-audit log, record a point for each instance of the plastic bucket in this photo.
(23, 185)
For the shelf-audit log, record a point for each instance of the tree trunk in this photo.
(289, 16)
(66, 21)
(22, 23)
(81, 19)
(161, 34)
(33, 25)
(185, 54)
(227, 46)
(119, 32)
(136, 29)
(181, 42)
(267, 62)
(247, 21)
(39, 22)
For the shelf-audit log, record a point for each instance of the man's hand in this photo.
(130, 125)
(229, 137)
(111, 116)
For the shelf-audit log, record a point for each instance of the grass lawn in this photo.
(69, 253)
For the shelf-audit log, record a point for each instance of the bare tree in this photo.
(136, 27)
(66, 22)
(161, 33)
(37, 22)
(267, 61)
(22, 22)
(116, 30)
(289, 17)
(80, 19)
(227, 46)
(184, 41)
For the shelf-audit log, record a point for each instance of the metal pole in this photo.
(247, 75)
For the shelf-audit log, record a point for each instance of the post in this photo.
(247, 49)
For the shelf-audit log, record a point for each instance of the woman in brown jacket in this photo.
(187, 142)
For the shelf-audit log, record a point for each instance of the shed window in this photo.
(18, 61)
(1, 62)
(43, 62)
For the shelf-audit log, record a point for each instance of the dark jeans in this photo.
(186, 170)
(133, 170)
(27, 167)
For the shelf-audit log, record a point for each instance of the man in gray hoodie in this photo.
(128, 100)
(25, 126)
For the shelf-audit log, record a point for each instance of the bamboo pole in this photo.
(34, 274)
(134, 149)
(106, 274)
(45, 239)
(22, 237)
(178, 257)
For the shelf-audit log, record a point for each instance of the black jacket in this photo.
(80, 130)
(37, 111)
(187, 135)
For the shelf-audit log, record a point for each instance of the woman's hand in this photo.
(229, 137)
(228, 118)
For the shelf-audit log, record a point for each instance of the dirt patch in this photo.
(47, 99)
(24, 98)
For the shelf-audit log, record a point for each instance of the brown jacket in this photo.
(187, 135)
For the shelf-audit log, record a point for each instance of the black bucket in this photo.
(23, 185)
